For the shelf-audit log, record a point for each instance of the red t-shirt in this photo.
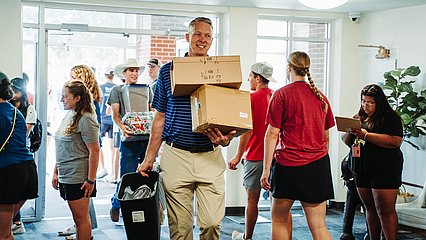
(30, 98)
(299, 115)
(259, 106)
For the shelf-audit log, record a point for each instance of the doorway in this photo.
(58, 37)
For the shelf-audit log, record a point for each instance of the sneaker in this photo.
(102, 173)
(74, 237)
(18, 228)
(67, 231)
(237, 235)
(71, 237)
(347, 236)
(114, 214)
(112, 180)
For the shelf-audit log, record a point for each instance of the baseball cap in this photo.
(18, 84)
(264, 69)
(154, 62)
(109, 71)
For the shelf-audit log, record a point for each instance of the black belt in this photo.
(191, 149)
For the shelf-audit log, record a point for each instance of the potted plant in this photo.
(409, 104)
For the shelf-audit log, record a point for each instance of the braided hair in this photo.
(301, 62)
(77, 88)
(88, 77)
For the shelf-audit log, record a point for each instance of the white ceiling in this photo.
(351, 6)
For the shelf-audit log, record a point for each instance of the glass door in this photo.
(56, 38)
(66, 49)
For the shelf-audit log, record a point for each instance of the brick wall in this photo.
(161, 47)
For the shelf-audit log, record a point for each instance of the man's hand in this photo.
(145, 167)
(264, 180)
(55, 183)
(127, 132)
(217, 138)
(88, 189)
(233, 163)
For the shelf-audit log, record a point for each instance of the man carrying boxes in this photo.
(190, 162)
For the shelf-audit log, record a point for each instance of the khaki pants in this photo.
(184, 173)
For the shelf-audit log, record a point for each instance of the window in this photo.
(277, 37)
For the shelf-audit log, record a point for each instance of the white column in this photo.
(11, 38)
(239, 38)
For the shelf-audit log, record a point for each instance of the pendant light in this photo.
(322, 4)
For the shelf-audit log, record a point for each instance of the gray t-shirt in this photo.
(72, 155)
(115, 96)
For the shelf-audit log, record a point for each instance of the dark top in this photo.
(379, 159)
(106, 89)
(16, 150)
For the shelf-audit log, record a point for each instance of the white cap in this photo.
(109, 71)
(264, 69)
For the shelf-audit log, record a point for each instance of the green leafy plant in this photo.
(410, 105)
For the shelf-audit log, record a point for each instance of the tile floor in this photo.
(58, 217)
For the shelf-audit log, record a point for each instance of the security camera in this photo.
(354, 17)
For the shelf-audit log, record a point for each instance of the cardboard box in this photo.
(189, 73)
(220, 107)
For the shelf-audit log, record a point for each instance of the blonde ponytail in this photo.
(300, 62)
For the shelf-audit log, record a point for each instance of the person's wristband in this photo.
(365, 136)
(89, 182)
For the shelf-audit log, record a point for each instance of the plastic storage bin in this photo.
(139, 203)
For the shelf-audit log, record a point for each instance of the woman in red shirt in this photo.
(299, 117)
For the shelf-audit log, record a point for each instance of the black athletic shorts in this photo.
(311, 183)
(18, 182)
(378, 180)
(70, 192)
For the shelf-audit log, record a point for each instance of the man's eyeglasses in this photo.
(367, 103)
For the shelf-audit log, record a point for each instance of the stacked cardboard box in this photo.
(213, 84)
(189, 73)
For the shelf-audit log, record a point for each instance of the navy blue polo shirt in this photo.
(178, 125)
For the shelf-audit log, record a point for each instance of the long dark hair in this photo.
(382, 106)
(23, 100)
(77, 88)
(6, 91)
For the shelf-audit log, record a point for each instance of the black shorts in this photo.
(106, 128)
(18, 182)
(310, 183)
(378, 180)
(70, 192)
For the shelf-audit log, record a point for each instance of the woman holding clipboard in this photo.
(379, 164)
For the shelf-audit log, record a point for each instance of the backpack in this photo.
(35, 136)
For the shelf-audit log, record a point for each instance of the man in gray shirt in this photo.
(131, 152)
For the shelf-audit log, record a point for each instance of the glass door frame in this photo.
(41, 87)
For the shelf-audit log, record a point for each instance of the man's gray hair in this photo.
(199, 19)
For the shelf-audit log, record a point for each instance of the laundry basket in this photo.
(139, 203)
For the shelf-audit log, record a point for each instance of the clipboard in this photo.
(344, 123)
